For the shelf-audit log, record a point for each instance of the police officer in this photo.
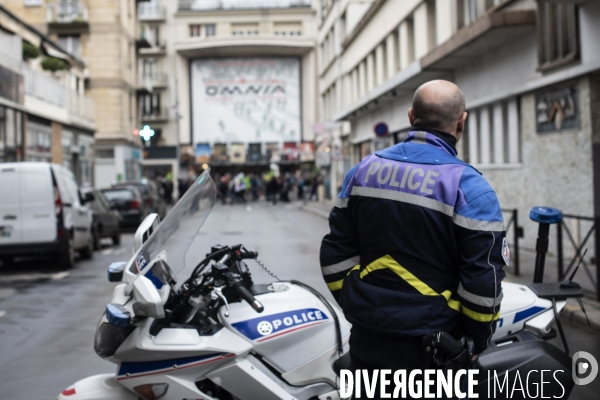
(417, 241)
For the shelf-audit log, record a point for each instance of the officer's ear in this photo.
(460, 126)
(411, 116)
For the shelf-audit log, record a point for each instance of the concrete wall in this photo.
(556, 168)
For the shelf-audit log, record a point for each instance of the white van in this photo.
(42, 213)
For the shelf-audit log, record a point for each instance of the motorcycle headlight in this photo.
(109, 338)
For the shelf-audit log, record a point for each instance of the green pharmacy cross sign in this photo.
(146, 133)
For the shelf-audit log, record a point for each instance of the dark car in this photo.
(106, 221)
(128, 202)
(150, 194)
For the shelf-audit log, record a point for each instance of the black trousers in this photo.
(370, 351)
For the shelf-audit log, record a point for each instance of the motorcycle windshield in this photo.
(174, 236)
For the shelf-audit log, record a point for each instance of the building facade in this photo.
(105, 35)
(529, 71)
(44, 113)
(229, 83)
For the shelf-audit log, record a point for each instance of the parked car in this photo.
(128, 201)
(42, 212)
(106, 221)
(150, 194)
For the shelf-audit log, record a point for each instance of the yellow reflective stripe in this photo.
(337, 285)
(480, 317)
(387, 262)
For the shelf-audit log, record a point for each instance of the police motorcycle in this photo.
(182, 329)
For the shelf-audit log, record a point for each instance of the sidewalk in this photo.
(572, 311)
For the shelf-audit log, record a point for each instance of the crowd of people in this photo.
(271, 186)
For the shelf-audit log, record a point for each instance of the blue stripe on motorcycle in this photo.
(142, 367)
(521, 315)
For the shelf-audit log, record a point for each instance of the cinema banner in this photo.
(202, 153)
(238, 153)
(246, 99)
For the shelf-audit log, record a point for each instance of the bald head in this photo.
(439, 105)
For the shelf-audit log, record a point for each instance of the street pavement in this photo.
(48, 317)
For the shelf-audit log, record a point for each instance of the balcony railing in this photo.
(54, 92)
(193, 5)
(151, 11)
(67, 12)
(152, 80)
(43, 87)
(155, 114)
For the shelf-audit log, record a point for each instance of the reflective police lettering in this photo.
(405, 177)
(282, 323)
(373, 167)
(380, 178)
(411, 184)
(429, 181)
(394, 182)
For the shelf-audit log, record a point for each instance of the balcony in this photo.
(54, 97)
(153, 80)
(159, 114)
(202, 5)
(151, 12)
(67, 16)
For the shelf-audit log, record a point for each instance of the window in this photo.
(244, 29)
(288, 28)
(558, 33)
(149, 105)
(32, 3)
(196, 30)
(105, 153)
(71, 44)
(492, 135)
(210, 30)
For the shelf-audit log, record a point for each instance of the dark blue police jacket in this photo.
(417, 244)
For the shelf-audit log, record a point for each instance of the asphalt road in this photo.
(48, 317)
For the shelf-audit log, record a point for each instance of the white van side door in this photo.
(38, 215)
(10, 216)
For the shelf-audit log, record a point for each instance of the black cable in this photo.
(336, 319)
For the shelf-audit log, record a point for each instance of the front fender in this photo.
(97, 387)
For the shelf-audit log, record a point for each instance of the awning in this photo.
(13, 26)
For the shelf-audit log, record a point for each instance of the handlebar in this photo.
(248, 297)
(248, 254)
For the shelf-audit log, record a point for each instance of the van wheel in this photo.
(66, 259)
(88, 251)
(116, 238)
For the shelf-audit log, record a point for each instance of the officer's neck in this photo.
(446, 137)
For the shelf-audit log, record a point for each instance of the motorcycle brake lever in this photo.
(219, 292)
